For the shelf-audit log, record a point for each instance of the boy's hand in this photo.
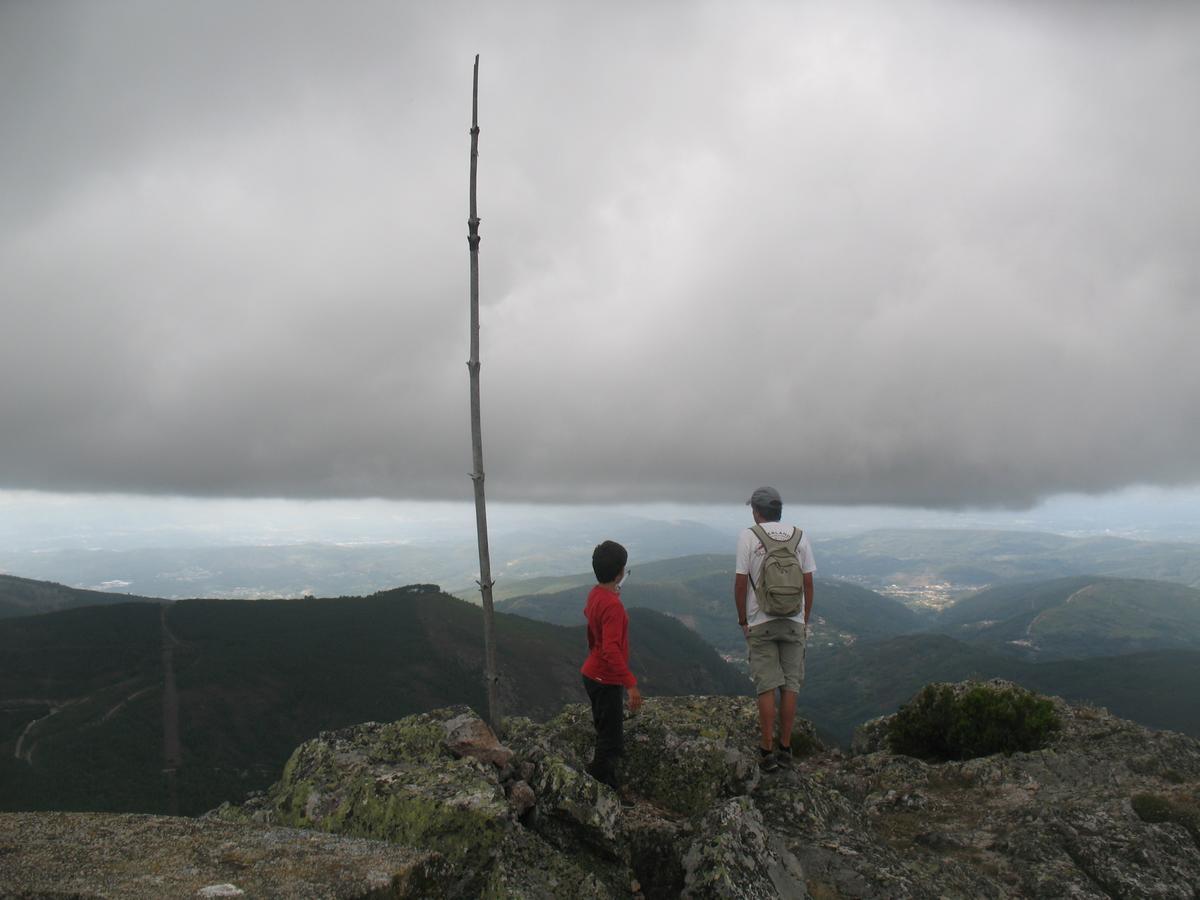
(635, 699)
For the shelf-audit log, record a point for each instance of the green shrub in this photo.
(1151, 807)
(1181, 811)
(944, 723)
(805, 742)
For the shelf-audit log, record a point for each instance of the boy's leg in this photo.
(609, 720)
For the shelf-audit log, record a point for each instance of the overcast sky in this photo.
(924, 253)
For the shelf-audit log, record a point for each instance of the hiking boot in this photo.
(626, 798)
(783, 756)
(767, 761)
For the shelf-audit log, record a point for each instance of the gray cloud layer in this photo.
(940, 255)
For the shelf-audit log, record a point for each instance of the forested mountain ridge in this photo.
(1077, 617)
(85, 699)
(25, 596)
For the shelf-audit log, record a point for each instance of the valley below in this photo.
(139, 704)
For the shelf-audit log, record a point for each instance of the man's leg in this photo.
(787, 717)
(791, 660)
(768, 677)
(766, 719)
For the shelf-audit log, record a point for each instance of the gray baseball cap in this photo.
(765, 497)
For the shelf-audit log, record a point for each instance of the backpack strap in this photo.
(793, 542)
(761, 534)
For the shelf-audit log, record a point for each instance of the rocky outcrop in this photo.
(94, 855)
(1106, 809)
(1057, 822)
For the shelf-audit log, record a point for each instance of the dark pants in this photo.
(608, 715)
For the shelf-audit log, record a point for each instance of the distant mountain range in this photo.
(1077, 617)
(26, 597)
(698, 591)
(980, 558)
(1128, 644)
(85, 707)
(354, 568)
(531, 559)
(83, 703)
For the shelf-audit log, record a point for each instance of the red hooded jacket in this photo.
(608, 639)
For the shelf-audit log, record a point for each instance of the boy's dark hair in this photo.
(608, 559)
(769, 513)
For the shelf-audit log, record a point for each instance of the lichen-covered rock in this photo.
(573, 806)
(686, 753)
(681, 753)
(736, 857)
(528, 868)
(870, 736)
(521, 797)
(1106, 809)
(1056, 822)
(469, 735)
(416, 782)
(86, 855)
(394, 782)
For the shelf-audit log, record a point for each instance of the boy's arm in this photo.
(635, 699)
(610, 648)
(808, 596)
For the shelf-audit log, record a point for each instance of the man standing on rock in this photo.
(773, 592)
(606, 673)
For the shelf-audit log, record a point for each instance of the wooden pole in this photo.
(485, 563)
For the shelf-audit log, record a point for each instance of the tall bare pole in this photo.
(485, 563)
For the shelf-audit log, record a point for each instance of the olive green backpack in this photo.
(780, 589)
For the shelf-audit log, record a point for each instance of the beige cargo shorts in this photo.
(777, 655)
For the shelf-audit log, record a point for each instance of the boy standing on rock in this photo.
(773, 593)
(606, 672)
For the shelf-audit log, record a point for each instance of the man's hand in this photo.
(635, 699)
(745, 626)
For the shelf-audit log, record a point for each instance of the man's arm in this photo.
(808, 596)
(741, 584)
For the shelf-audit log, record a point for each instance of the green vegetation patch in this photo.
(1157, 808)
(945, 722)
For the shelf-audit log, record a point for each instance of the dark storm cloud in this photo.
(942, 257)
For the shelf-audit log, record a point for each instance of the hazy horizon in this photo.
(34, 521)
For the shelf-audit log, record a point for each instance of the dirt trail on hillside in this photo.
(172, 748)
(23, 752)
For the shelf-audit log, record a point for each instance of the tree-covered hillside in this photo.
(872, 679)
(26, 597)
(1078, 617)
(83, 710)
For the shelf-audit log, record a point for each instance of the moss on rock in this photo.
(397, 782)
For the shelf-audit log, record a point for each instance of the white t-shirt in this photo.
(750, 556)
